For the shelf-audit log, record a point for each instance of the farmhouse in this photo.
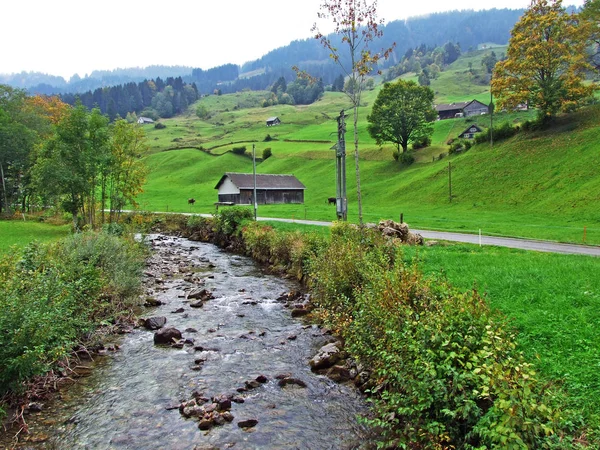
(273, 121)
(461, 109)
(144, 120)
(238, 189)
(470, 132)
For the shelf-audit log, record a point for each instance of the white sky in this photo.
(64, 37)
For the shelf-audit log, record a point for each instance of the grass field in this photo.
(19, 233)
(552, 300)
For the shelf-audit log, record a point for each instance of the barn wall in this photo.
(227, 187)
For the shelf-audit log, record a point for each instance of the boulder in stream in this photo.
(154, 323)
(327, 356)
(167, 336)
(200, 294)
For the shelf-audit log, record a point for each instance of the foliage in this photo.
(501, 132)
(402, 113)
(546, 62)
(267, 153)
(448, 371)
(590, 16)
(160, 126)
(228, 221)
(52, 295)
(239, 150)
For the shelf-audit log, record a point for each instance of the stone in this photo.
(205, 424)
(198, 304)
(166, 336)
(151, 302)
(262, 379)
(300, 312)
(293, 381)
(248, 423)
(154, 323)
(327, 356)
(200, 294)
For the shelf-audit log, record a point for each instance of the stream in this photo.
(131, 398)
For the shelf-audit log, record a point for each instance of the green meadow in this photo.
(20, 233)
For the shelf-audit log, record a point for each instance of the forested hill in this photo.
(468, 28)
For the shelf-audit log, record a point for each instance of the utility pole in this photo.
(341, 204)
(254, 172)
(450, 181)
(491, 107)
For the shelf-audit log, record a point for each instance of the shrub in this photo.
(239, 150)
(267, 138)
(423, 142)
(267, 153)
(159, 125)
(406, 158)
(228, 221)
(52, 295)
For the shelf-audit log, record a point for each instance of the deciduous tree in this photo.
(402, 113)
(546, 62)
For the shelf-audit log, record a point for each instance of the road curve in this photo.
(523, 244)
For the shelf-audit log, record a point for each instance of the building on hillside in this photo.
(144, 120)
(273, 121)
(238, 189)
(470, 132)
(461, 109)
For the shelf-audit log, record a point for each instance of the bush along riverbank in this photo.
(55, 300)
(441, 369)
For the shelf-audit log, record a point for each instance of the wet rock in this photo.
(205, 424)
(262, 379)
(200, 294)
(292, 337)
(166, 336)
(198, 304)
(281, 376)
(339, 373)
(327, 356)
(236, 399)
(293, 381)
(177, 311)
(300, 312)
(154, 323)
(227, 416)
(151, 302)
(251, 384)
(190, 330)
(223, 402)
(248, 423)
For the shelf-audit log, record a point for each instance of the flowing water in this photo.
(129, 401)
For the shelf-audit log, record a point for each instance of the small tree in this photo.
(356, 22)
(402, 113)
(546, 62)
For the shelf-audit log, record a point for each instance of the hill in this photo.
(468, 28)
(537, 184)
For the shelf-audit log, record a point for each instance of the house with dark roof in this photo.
(144, 120)
(461, 109)
(238, 189)
(470, 132)
(273, 121)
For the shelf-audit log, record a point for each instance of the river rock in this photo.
(198, 304)
(248, 423)
(166, 336)
(300, 312)
(223, 402)
(154, 323)
(327, 356)
(151, 302)
(294, 381)
(339, 373)
(200, 294)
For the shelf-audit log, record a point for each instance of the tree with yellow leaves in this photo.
(546, 62)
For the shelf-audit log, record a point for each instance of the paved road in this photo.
(524, 244)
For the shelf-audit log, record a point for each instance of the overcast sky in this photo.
(64, 37)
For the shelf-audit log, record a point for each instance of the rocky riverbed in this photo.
(220, 359)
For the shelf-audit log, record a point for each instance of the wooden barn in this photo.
(271, 121)
(238, 189)
(461, 109)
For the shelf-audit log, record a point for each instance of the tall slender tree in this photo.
(356, 23)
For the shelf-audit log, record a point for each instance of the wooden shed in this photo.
(273, 121)
(238, 188)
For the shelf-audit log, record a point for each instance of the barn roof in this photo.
(263, 181)
(451, 106)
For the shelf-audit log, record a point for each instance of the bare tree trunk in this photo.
(357, 167)
(6, 206)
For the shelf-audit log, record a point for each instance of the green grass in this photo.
(19, 233)
(552, 300)
(537, 185)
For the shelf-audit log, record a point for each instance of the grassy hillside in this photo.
(537, 184)
(20, 233)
